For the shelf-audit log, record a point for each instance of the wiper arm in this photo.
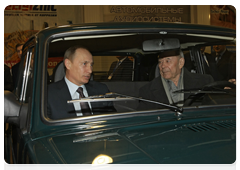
(99, 98)
(174, 108)
(198, 91)
(107, 96)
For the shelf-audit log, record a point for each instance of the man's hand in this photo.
(231, 81)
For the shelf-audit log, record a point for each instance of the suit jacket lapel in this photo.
(187, 79)
(64, 95)
(189, 82)
(158, 91)
(224, 59)
(91, 91)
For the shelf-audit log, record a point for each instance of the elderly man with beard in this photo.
(173, 77)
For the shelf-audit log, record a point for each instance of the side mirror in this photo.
(11, 108)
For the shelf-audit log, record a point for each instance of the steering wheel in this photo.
(218, 85)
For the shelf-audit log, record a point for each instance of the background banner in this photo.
(147, 13)
(223, 16)
(23, 21)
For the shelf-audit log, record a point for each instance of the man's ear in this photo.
(67, 63)
(181, 62)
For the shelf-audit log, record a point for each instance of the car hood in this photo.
(170, 142)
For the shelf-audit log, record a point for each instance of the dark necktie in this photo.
(217, 58)
(84, 105)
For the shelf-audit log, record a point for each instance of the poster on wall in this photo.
(10, 42)
(223, 16)
(21, 22)
(147, 13)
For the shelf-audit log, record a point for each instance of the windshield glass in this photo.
(108, 74)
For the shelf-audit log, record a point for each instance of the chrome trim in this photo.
(25, 75)
(159, 112)
(98, 99)
(212, 36)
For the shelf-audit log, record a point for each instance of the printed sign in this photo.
(147, 13)
(23, 21)
(223, 16)
(52, 62)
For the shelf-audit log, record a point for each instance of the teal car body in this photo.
(203, 134)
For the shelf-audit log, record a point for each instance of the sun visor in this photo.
(161, 44)
(165, 47)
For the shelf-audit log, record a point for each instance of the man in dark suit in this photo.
(173, 77)
(206, 57)
(223, 64)
(14, 79)
(189, 65)
(121, 70)
(233, 71)
(15, 68)
(78, 63)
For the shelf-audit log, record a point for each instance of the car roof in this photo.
(131, 35)
(133, 25)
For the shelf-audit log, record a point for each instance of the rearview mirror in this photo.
(161, 44)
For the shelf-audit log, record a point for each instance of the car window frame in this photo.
(66, 121)
(25, 74)
(24, 70)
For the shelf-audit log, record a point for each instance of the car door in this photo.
(23, 93)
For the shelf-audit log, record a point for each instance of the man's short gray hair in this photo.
(70, 52)
(181, 54)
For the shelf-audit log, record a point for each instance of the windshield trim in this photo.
(48, 40)
(157, 113)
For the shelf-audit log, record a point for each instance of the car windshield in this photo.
(133, 80)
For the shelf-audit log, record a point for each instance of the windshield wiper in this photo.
(109, 97)
(174, 108)
(199, 91)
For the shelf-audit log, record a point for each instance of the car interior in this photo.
(106, 47)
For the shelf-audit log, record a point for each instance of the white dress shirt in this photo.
(75, 95)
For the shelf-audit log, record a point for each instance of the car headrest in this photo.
(59, 73)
